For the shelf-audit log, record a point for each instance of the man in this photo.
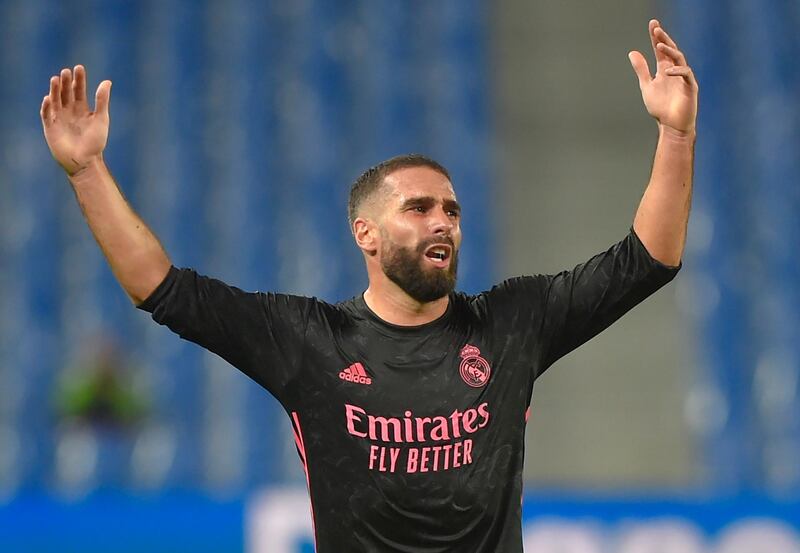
(408, 403)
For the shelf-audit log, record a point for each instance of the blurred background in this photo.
(237, 128)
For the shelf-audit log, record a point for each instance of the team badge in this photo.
(474, 369)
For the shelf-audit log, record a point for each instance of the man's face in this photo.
(420, 232)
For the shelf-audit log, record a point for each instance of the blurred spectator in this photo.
(99, 390)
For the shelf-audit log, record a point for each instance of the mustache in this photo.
(428, 242)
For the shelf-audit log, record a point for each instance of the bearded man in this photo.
(409, 402)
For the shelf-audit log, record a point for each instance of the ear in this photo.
(367, 236)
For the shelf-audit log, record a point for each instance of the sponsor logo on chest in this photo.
(356, 373)
(411, 443)
(474, 369)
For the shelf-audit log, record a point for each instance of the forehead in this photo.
(414, 182)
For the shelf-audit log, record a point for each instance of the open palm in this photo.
(74, 134)
(670, 96)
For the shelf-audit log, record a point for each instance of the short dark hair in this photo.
(372, 179)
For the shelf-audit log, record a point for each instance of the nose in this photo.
(441, 223)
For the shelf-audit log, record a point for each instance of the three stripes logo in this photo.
(356, 373)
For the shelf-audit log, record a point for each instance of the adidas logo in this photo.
(356, 373)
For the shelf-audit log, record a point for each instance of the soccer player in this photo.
(408, 403)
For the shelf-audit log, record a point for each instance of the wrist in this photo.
(87, 169)
(665, 131)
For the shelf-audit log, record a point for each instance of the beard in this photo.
(404, 267)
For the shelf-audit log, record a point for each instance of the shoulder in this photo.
(506, 298)
(503, 295)
(332, 314)
(512, 289)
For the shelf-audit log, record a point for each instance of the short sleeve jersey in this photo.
(412, 438)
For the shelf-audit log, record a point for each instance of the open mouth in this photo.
(439, 255)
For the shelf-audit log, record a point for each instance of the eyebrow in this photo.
(430, 201)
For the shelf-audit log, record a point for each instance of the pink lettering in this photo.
(383, 458)
(483, 409)
(387, 426)
(373, 456)
(467, 452)
(435, 458)
(421, 427)
(456, 426)
(439, 431)
(423, 461)
(378, 458)
(408, 428)
(446, 449)
(350, 414)
(470, 416)
(413, 455)
(436, 450)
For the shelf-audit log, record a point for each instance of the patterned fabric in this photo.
(424, 450)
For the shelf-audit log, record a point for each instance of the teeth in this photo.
(438, 253)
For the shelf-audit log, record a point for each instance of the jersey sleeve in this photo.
(261, 334)
(565, 310)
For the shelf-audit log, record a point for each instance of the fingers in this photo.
(662, 35)
(67, 96)
(46, 111)
(68, 89)
(681, 68)
(667, 51)
(64, 92)
(55, 92)
(79, 84)
(102, 98)
(675, 55)
(659, 36)
(651, 27)
(683, 71)
(640, 67)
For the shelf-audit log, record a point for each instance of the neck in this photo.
(393, 305)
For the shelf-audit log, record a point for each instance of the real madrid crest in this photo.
(474, 369)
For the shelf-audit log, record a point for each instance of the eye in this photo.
(419, 209)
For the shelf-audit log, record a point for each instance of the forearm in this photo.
(663, 213)
(137, 259)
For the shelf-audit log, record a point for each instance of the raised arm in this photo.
(671, 98)
(77, 137)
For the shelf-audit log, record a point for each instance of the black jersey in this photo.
(412, 437)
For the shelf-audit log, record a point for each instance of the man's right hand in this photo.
(75, 135)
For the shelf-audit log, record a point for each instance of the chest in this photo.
(410, 405)
(385, 374)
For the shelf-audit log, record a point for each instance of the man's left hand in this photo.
(670, 96)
